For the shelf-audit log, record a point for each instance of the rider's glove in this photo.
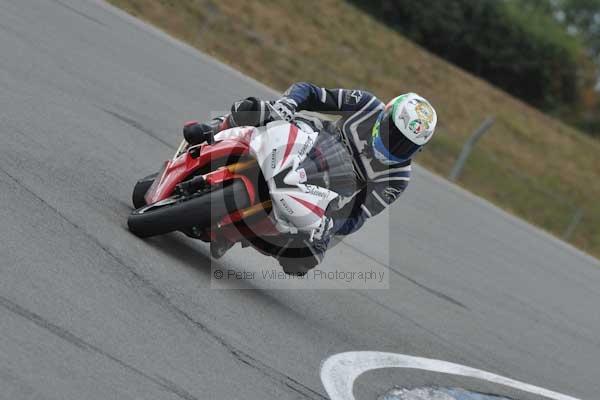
(320, 246)
(323, 233)
(285, 109)
(247, 112)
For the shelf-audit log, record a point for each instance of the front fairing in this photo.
(191, 161)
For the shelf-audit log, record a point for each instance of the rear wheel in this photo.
(177, 213)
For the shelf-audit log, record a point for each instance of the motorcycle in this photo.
(269, 187)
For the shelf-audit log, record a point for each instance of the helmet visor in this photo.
(398, 147)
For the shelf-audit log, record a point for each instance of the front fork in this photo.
(226, 173)
(234, 171)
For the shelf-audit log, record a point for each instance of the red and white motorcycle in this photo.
(270, 187)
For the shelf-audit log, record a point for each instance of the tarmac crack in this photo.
(135, 124)
(81, 14)
(429, 290)
(86, 346)
(162, 299)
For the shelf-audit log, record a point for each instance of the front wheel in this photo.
(176, 213)
(140, 189)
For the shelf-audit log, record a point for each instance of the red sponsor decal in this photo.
(290, 144)
(312, 207)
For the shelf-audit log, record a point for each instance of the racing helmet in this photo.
(404, 126)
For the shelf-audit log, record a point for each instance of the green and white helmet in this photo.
(405, 125)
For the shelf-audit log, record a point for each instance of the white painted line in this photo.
(339, 372)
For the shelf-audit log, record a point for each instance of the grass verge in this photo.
(529, 164)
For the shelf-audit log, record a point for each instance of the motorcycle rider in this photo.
(381, 138)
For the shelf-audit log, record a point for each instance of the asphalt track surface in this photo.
(91, 100)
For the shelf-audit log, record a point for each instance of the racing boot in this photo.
(195, 133)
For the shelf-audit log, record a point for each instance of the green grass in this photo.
(529, 164)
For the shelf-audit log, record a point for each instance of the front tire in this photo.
(175, 213)
(140, 189)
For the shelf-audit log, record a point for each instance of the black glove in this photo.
(196, 133)
(247, 112)
(325, 230)
(322, 236)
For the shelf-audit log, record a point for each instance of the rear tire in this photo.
(202, 211)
